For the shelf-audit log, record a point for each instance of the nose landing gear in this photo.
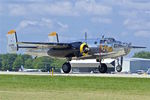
(119, 66)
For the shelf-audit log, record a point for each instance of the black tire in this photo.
(102, 68)
(97, 60)
(66, 67)
(119, 68)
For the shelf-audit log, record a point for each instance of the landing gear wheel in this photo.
(119, 68)
(66, 67)
(102, 68)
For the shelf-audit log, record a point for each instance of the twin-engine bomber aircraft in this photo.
(104, 48)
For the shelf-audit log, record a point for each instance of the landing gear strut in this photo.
(66, 67)
(119, 66)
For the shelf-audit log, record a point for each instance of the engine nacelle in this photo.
(84, 49)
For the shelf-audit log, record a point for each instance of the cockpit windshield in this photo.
(107, 40)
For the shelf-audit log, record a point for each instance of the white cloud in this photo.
(26, 23)
(45, 22)
(35, 23)
(129, 13)
(92, 7)
(64, 26)
(101, 20)
(142, 33)
(59, 8)
(44, 8)
(1, 9)
(136, 16)
(41, 24)
(124, 33)
(132, 4)
(138, 5)
(62, 8)
(137, 24)
(17, 9)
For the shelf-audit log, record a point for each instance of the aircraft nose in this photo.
(87, 49)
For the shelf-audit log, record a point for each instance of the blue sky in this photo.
(125, 20)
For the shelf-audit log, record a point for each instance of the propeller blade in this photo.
(86, 37)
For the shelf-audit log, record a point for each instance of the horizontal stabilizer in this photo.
(137, 47)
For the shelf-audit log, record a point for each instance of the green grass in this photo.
(73, 88)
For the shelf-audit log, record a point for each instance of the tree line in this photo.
(142, 54)
(13, 62)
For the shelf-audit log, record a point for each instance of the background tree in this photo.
(25, 57)
(0, 61)
(58, 62)
(17, 63)
(142, 54)
(7, 61)
(28, 64)
(42, 63)
(13, 62)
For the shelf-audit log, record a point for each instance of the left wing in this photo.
(42, 45)
(14, 45)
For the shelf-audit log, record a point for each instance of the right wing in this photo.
(104, 54)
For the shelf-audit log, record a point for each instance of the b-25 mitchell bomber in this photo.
(104, 48)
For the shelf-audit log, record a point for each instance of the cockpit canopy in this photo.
(107, 40)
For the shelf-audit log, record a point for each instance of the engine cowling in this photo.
(84, 49)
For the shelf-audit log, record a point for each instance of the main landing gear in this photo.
(66, 67)
(102, 67)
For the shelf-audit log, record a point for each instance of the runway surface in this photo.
(77, 74)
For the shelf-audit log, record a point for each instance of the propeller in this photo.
(84, 49)
(85, 37)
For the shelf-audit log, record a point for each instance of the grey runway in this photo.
(77, 74)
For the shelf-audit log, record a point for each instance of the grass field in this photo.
(73, 88)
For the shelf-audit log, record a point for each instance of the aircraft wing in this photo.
(104, 54)
(14, 45)
(42, 45)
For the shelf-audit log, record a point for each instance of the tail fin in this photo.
(12, 46)
(51, 37)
